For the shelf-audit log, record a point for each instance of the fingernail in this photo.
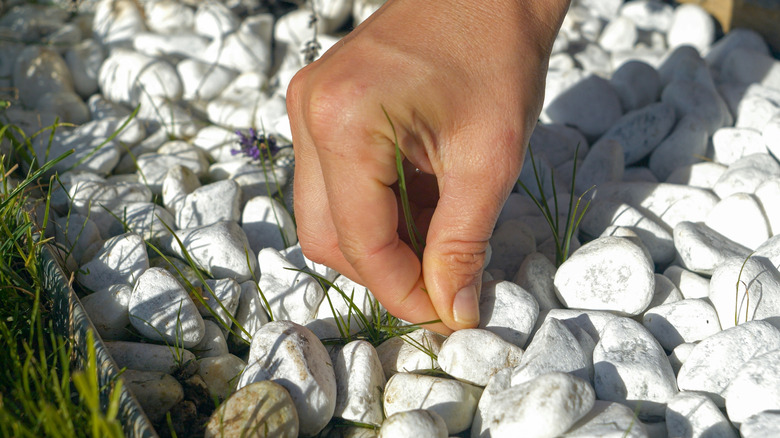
(465, 307)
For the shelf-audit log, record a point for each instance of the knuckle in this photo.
(464, 257)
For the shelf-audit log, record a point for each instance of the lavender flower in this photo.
(255, 145)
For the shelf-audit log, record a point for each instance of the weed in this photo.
(747, 292)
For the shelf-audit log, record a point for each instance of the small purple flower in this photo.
(255, 145)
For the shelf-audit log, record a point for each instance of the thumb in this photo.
(471, 196)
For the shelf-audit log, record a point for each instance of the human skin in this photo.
(463, 83)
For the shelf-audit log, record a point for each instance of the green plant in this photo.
(573, 216)
(747, 292)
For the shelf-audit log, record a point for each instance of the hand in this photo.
(463, 82)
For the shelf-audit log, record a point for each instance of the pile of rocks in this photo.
(664, 321)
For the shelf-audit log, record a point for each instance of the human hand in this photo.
(463, 82)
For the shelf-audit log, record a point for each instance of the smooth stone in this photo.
(754, 388)
(89, 194)
(740, 217)
(180, 45)
(126, 76)
(745, 65)
(251, 313)
(171, 117)
(536, 276)
(121, 259)
(603, 163)
(67, 105)
(214, 20)
(203, 81)
(117, 21)
(91, 152)
(691, 25)
(702, 249)
(688, 320)
(246, 49)
(156, 392)
(746, 175)
(293, 295)
(153, 167)
(608, 419)
(685, 145)
(632, 368)
(362, 9)
(739, 38)
(755, 112)
(637, 85)
(553, 349)
(213, 342)
(692, 97)
(703, 175)
(107, 309)
(770, 250)
(168, 16)
(415, 422)
(221, 374)
(628, 234)
(511, 242)
(219, 299)
(496, 384)
(609, 273)
(731, 144)
(268, 224)
(453, 400)
(558, 82)
(767, 193)
(161, 310)
(40, 70)
(179, 182)
(618, 34)
(591, 322)
(290, 355)
(146, 219)
(746, 289)
(151, 357)
(591, 106)
(262, 409)
(638, 174)
(679, 355)
(181, 270)
(715, 361)
(360, 381)
(654, 234)
(508, 311)
(77, 233)
(691, 414)
(685, 63)
(668, 202)
(221, 249)
(547, 406)
(641, 130)
(557, 143)
(474, 355)
(665, 292)
(346, 304)
(209, 204)
(649, 15)
(763, 424)
(771, 135)
(403, 353)
(233, 113)
(254, 181)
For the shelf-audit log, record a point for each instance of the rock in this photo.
(209, 204)
(744, 65)
(590, 321)
(156, 392)
(685, 63)
(221, 374)
(67, 105)
(150, 357)
(213, 342)
(553, 349)
(181, 45)
(360, 380)
(117, 21)
(739, 38)
(268, 224)
(685, 145)
(508, 311)
(127, 77)
(401, 353)
(254, 181)
(536, 276)
(544, 407)
(691, 414)
(38, 71)
(251, 312)
(591, 106)
(179, 182)
(679, 355)
(290, 355)
(76, 233)
(121, 259)
(362, 9)
(353, 309)
(665, 292)
(639, 174)
(702, 249)
(246, 49)
(746, 289)
(168, 16)
(166, 115)
(637, 85)
(603, 163)
(91, 195)
(91, 152)
(702, 175)
(107, 309)
(766, 193)
(203, 81)
(688, 320)
(292, 295)
(691, 97)
(609, 273)
(746, 174)
(755, 112)
(558, 144)
(632, 368)
(763, 424)
(415, 422)
(641, 130)
(649, 15)
(770, 250)
(214, 20)
(618, 34)
(474, 355)
(691, 25)
(654, 235)
(453, 400)
(221, 250)
(691, 285)
(754, 388)
(219, 299)
(154, 166)
(161, 310)
(511, 242)
(731, 144)
(109, 117)
(715, 361)
(148, 220)
(741, 218)
(607, 419)
(262, 406)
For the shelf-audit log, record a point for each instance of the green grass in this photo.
(40, 394)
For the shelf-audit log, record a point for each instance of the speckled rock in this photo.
(399, 354)
(121, 259)
(156, 392)
(553, 348)
(508, 311)
(360, 380)
(261, 406)
(474, 355)
(415, 422)
(681, 321)
(691, 414)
